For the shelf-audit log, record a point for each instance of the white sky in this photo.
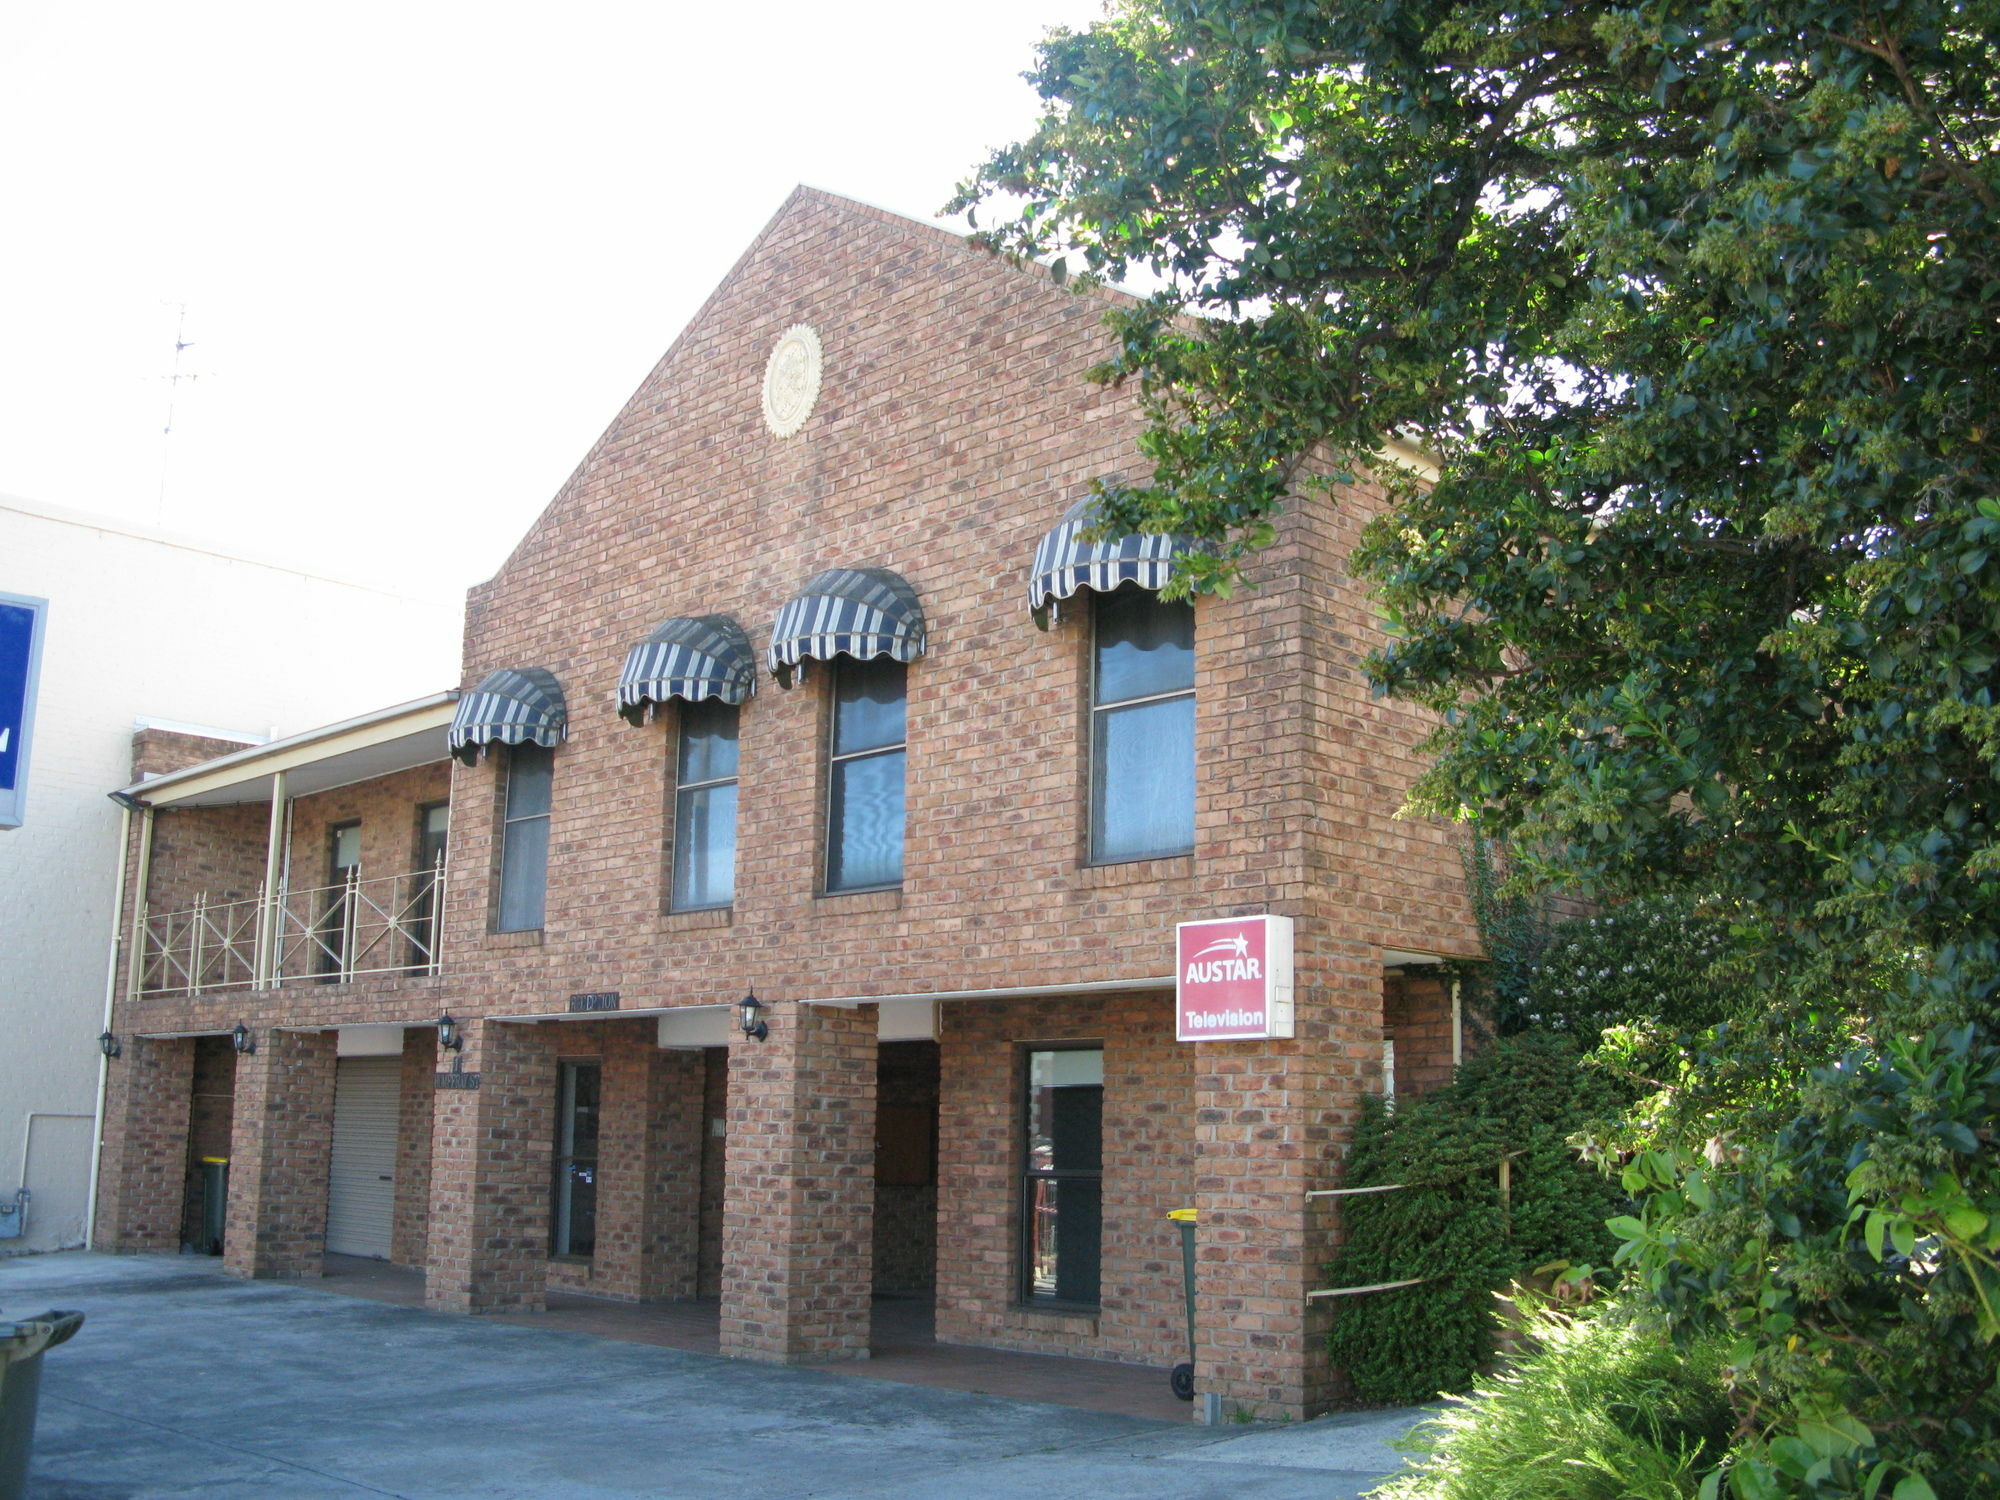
(426, 249)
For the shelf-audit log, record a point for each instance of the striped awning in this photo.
(691, 658)
(513, 706)
(1064, 562)
(858, 612)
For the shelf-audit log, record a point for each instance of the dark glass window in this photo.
(1141, 727)
(337, 905)
(433, 827)
(573, 1223)
(705, 807)
(864, 823)
(1062, 1180)
(524, 842)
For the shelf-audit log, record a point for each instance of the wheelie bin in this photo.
(22, 1344)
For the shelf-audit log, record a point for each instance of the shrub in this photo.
(1524, 1096)
(1604, 1408)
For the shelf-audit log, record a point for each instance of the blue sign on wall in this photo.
(21, 620)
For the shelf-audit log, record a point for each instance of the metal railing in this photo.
(362, 925)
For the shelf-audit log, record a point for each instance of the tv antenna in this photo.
(174, 381)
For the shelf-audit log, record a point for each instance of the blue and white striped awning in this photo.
(1064, 562)
(691, 658)
(857, 612)
(513, 706)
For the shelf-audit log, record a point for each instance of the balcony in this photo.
(332, 934)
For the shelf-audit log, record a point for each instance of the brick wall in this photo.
(714, 1145)
(1416, 1012)
(1148, 1169)
(411, 1223)
(143, 1179)
(281, 1140)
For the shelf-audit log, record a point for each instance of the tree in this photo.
(1698, 307)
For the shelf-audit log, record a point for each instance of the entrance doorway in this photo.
(211, 1118)
(906, 1134)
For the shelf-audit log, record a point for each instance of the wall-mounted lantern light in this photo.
(754, 1026)
(108, 1044)
(448, 1038)
(242, 1040)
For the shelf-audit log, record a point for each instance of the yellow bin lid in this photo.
(1182, 1215)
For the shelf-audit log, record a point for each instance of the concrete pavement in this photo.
(187, 1382)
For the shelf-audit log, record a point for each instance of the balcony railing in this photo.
(383, 924)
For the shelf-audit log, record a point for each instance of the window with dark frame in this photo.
(336, 934)
(705, 807)
(866, 758)
(1062, 1218)
(433, 828)
(573, 1214)
(1141, 727)
(524, 840)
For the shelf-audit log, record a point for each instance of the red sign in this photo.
(1233, 979)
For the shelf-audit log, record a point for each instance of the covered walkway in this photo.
(902, 1348)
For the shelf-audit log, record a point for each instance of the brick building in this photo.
(760, 705)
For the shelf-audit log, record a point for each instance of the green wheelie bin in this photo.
(22, 1344)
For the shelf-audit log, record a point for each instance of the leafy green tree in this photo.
(1697, 307)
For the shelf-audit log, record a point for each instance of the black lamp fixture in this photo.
(242, 1040)
(754, 1026)
(448, 1037)
(108, 1044)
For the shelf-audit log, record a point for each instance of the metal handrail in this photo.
(361, 925)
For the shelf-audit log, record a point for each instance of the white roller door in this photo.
(361, 1193)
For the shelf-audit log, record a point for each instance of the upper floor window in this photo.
(433, 828)
(1141, 727)
(705, 807)
(524, 841)
(864, 822)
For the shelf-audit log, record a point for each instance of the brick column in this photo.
(649, 1155)
(1271, 1121)
(142, 1176)
(415, 1095)
(281, 1143)
(490, 1160)
(798, 1199)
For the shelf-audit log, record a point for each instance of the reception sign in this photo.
(1233, 979)
(21, 621)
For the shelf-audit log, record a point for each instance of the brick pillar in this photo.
(281, 1142)
(490, 1160)
(415, 1094)
(798, 1199)
(649, 1156)
(1271, 1121)
(142, 1176)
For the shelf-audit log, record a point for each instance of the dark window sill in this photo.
(529, 937)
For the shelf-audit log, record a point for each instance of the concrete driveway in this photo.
(186, 1382)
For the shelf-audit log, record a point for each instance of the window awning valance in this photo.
(858, 612)
(690, 658)
(513, 706)
(1064, 562)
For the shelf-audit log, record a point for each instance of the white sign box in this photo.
(1233, 979)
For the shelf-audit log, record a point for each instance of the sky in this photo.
(420, 253)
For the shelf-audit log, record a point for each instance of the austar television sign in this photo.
(1233, 979)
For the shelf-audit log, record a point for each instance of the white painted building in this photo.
(144, 627)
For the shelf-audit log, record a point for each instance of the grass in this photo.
(1604, 1409)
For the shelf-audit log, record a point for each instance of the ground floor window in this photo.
(573, 1223)
(1062, 1175)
